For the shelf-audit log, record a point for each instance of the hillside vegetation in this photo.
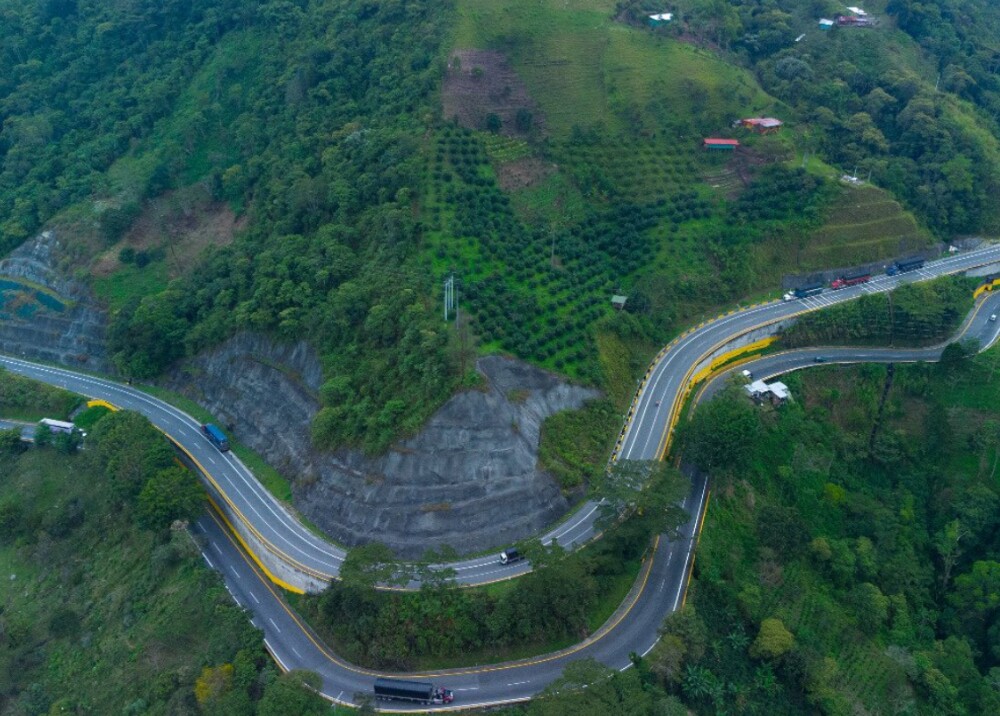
(322, 193)
(862, 225)
(107, 605)
(919, 314)
(849, 560)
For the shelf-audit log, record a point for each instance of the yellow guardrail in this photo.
(989, 286)
(730, 355)
(101, 404)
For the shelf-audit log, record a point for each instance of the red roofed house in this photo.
(762, 125)
(725, 144)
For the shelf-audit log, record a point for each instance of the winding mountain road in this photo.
(649, 424)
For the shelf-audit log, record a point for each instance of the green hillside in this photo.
(318, 169)
(862, 224)
(862, 517)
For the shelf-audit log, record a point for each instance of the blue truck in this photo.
(216, 436)
(811, 289)
(904, 265)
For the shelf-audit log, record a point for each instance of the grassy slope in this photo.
(579, 64)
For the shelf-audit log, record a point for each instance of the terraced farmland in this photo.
(864, 224)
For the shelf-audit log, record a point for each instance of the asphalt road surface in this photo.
(646, 435)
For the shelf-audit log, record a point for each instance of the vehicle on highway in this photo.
(993, 317)
(421, 692)
(509, 556)
(747, 374)
(216, 436)
(852, 279)
(57, 426)
(811, 289)
(904, 265)
(819, 359)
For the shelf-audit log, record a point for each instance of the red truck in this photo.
(852, 279)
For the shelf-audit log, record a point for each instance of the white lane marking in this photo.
(339, 695)
(212, 460)
(518, 683)
(238, 576)
(296, 652)
(643, 655)
(281, 664)
(469, 688)
(254, 597)
(274, 625)
(690, 550)
(208, 560)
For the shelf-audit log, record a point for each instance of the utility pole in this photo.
(449, 296)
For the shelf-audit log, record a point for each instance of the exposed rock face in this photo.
(70, 329)
(468, 480)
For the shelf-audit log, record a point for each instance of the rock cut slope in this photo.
(468, 480)
(46, 315)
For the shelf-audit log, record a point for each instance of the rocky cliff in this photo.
(468, 480)
(46, 315)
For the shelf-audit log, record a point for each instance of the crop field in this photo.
(624, 114)
(863, 225)
(623, 168)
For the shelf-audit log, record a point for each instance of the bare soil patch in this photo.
(522, 173)
(182, 223)
(482, 82)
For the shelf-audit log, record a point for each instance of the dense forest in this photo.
(106, 605)
(849, 560)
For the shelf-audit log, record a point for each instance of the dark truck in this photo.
(852, 279)
(421, 692)
(509, 556)
(904, 266)
(216, 436)
(811, 289)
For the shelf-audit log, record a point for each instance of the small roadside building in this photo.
(725, 145)
(779, 391)
(775, 393)
(660, 19)
(825, 24)
(618, 302)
